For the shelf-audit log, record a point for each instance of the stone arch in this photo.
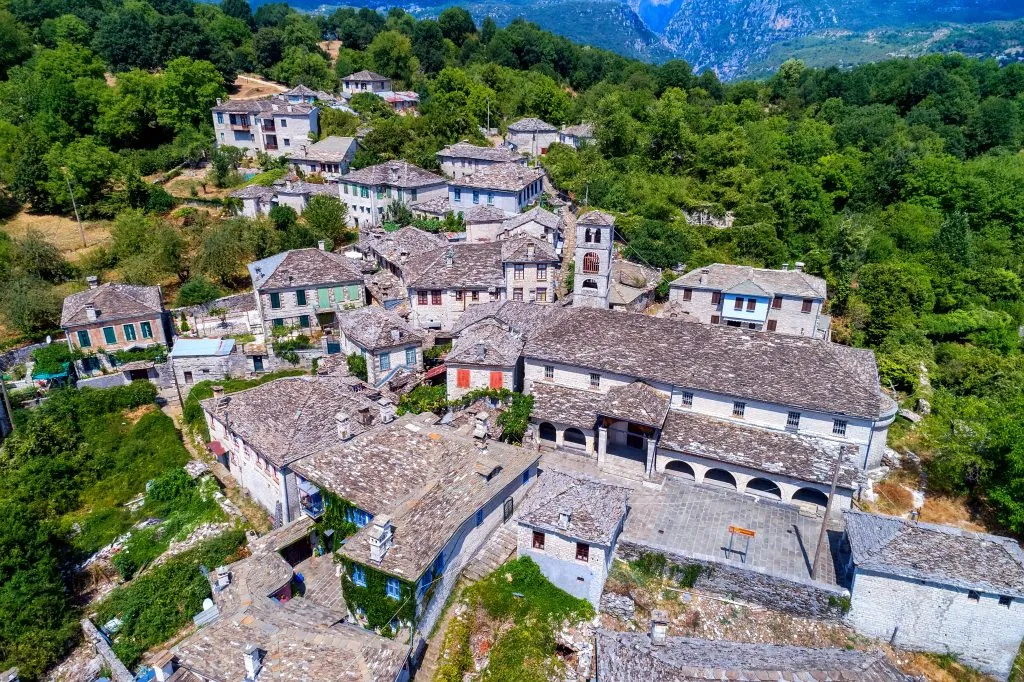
(590, 284)
(546, 431)
(811, 496)
(574, 436)
(762, 487)
(588, 236)
(720, 478)
(678, 467)
(597, 236)
(591, 262)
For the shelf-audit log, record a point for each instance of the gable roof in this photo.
(487, 343)
(113, 301)
(536, 214)
(595, 509)
(483, 214)
(503, 177)
(396, 174)
(372, 328)
(473, 265)
(635, 402)
(332, 149)
(599, 218)
(531, 125)
(517, 250)
(365, 75)
(942, 554)
(465, 150)
(583, 130)
(723, 277)
(403, 243)
(278, 105)
(300, 90)
(519, 316)
(303, 268)
(795, 371)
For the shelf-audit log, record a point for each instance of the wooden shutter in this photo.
(771, 325)
(496, 379)
(353, 293)
(716, 297)
(323, 298)
(462, 378)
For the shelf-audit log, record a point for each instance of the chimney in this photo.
(253, 661)
(288, 185)
(341, 422)
(322, 245)
(218, 393)
(480, 430)
(380, 538)
(704, 272)
(218, 101)
(387, 411)
(365, 417)
(785, 267)
(449, 256)
(481, 351)
(90, 312)
(564, 517)
(799, 266)
(163, 665)
(93, 281)
(659, 626)
(396, 335)
(223, 578)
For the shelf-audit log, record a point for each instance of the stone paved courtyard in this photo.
(693, 520)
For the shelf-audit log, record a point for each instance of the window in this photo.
(380, 192)
(435, 297)
(300, 297)
(359, 575)
(517, 294)
(591, 262)
(806, 308)
(538, 540)
(738, 408)
(384, 359)
(129, 332)
(476, 197)
(542, 273)
(220, 118)
(497, 380)
(973, 595)
(597, 236)
(364, 192)
(839, 427)
(462, 378)
(549, 372)
(412, 194)
(738, 304)
(147, 330)
(344, 186)
(490, 198)
(751, 304)
(393, 588)
(304, 321)
(410, 357)
(108, 335)
(287, 142)
(479, 517)
(792, 421)
(275, 301)
(421, 297)
(526, 477)
(284, 123)
(715, 319)
(542, 295)
(278, 322)
(772, 325)
(687, 294)
(687, 399)
(83, 339)
(582, 552)
(188, 378)
(520, 271)
(776, 303)
(595, 380)
(460, 295)
(1005, 601)
(458, 195)
(716, 297)
(475, 296)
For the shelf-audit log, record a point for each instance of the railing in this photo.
(240, 125)
(314, 508)
(269, 128)
(271, 147)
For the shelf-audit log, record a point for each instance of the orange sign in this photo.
(736, 530)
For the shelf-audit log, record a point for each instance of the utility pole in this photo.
(81, 230)
(816, 566)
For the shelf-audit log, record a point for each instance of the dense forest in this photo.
(898, 182)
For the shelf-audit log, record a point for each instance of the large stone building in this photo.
(365, 81)
(936, 588)
(576, 136)
(510, 187)
(368, 191)
(461, 159)
(764, 414)
(305, 289)
(485, 355)
(785, 301)
(329, 158)
(531, 136)
(273, 125)
(384, 339)
(114, 317)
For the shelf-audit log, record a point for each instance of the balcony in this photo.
(238, 124)
(269, 127)
(311, 500)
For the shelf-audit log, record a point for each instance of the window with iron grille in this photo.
(582, 552)
(792, 421)
(687, 399)
(738, 408)
(538, 540)
(839, 427)
(595, 380)
(549, 372)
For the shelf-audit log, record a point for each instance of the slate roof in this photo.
(474, 266)
(536, 214)
(275, 104)
(113, 301)
(300, 90)
(438, 206)
(636, 402)
(396, 174)
(519, 316)
(423, 476)
(582, 130)
(371, 327)
(301, 188)
(596, 509)
(465, 150)
(776, 452)
(569, 406)
(941, 554)
(303, 268)
(487, 343)
(365, 75)
(254, 192)
(722, 277)
(630, 281)
(331, 149)
(785, 370)
(289, 418)
(630, 656)
(599, 218)
(235, 303)
(483, 214)
(405, 243)
(531, 125)
(501, 177)
(516, 250)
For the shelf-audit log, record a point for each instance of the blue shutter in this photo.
(83, 339)
(147, 330)
(410, 357)
(108, 335)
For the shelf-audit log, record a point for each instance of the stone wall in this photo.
(118, 672)
(798, 597)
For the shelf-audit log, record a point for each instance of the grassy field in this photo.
(60, 231)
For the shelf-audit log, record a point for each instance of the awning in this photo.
(435, 371)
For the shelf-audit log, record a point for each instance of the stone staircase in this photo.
(500, 546)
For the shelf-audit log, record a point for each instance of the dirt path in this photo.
(251, 86)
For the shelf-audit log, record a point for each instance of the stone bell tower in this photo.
(595, 234)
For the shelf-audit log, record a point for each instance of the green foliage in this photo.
(436, 351)
(335, 518)
(155, 353)
(379, 610)
(423, 398)
(650, 565)
(687, 576)
(54, 358)
(197, 291)
(357, 365)
(514, 419)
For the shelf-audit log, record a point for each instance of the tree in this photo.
(87, 165)
(456, 24)
(325, 215)
(15, 43)
(221, 255)
(39, 258)
(301, 67)
(370, 106)
(268, 46)
(392, 55)
(30, 305)
(398, 213)
(488, 29)
(283, 217)
(197, 291)
(188, 89)
(239, 9)
(428, 44)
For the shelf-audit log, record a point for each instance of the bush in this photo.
(197, 291)
(54, 358)
(357, 366)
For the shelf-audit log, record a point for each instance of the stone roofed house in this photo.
(194, 360)
(631, 656)
(258, 200)
(537, 222)
(259, 629)
(115, 316)
(485, 355)
(463, 158)
(365, 81)
(517, 316)
(384, 339)
(531, 136)
(569, 525)
(482, 223)
(258, 433)
(393, 250)
(329, 158)
(576, 136)
(632, 285)
(273, 125)
(368, 191)
(531, 268)
(305, 288)
(764, 414)
(937, 588)
(785, 301)
(510, 187)
(435, 496)
(437, 207)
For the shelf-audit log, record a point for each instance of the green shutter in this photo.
(147, 330)
(108, 335)
(129, 332)
(323, 298)
(300, 297)
(275, 301)
(353, 293)
(338, 296)
(83, 339)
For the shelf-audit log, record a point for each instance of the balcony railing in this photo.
(269, 128)
(311, 500)
(240, 125)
